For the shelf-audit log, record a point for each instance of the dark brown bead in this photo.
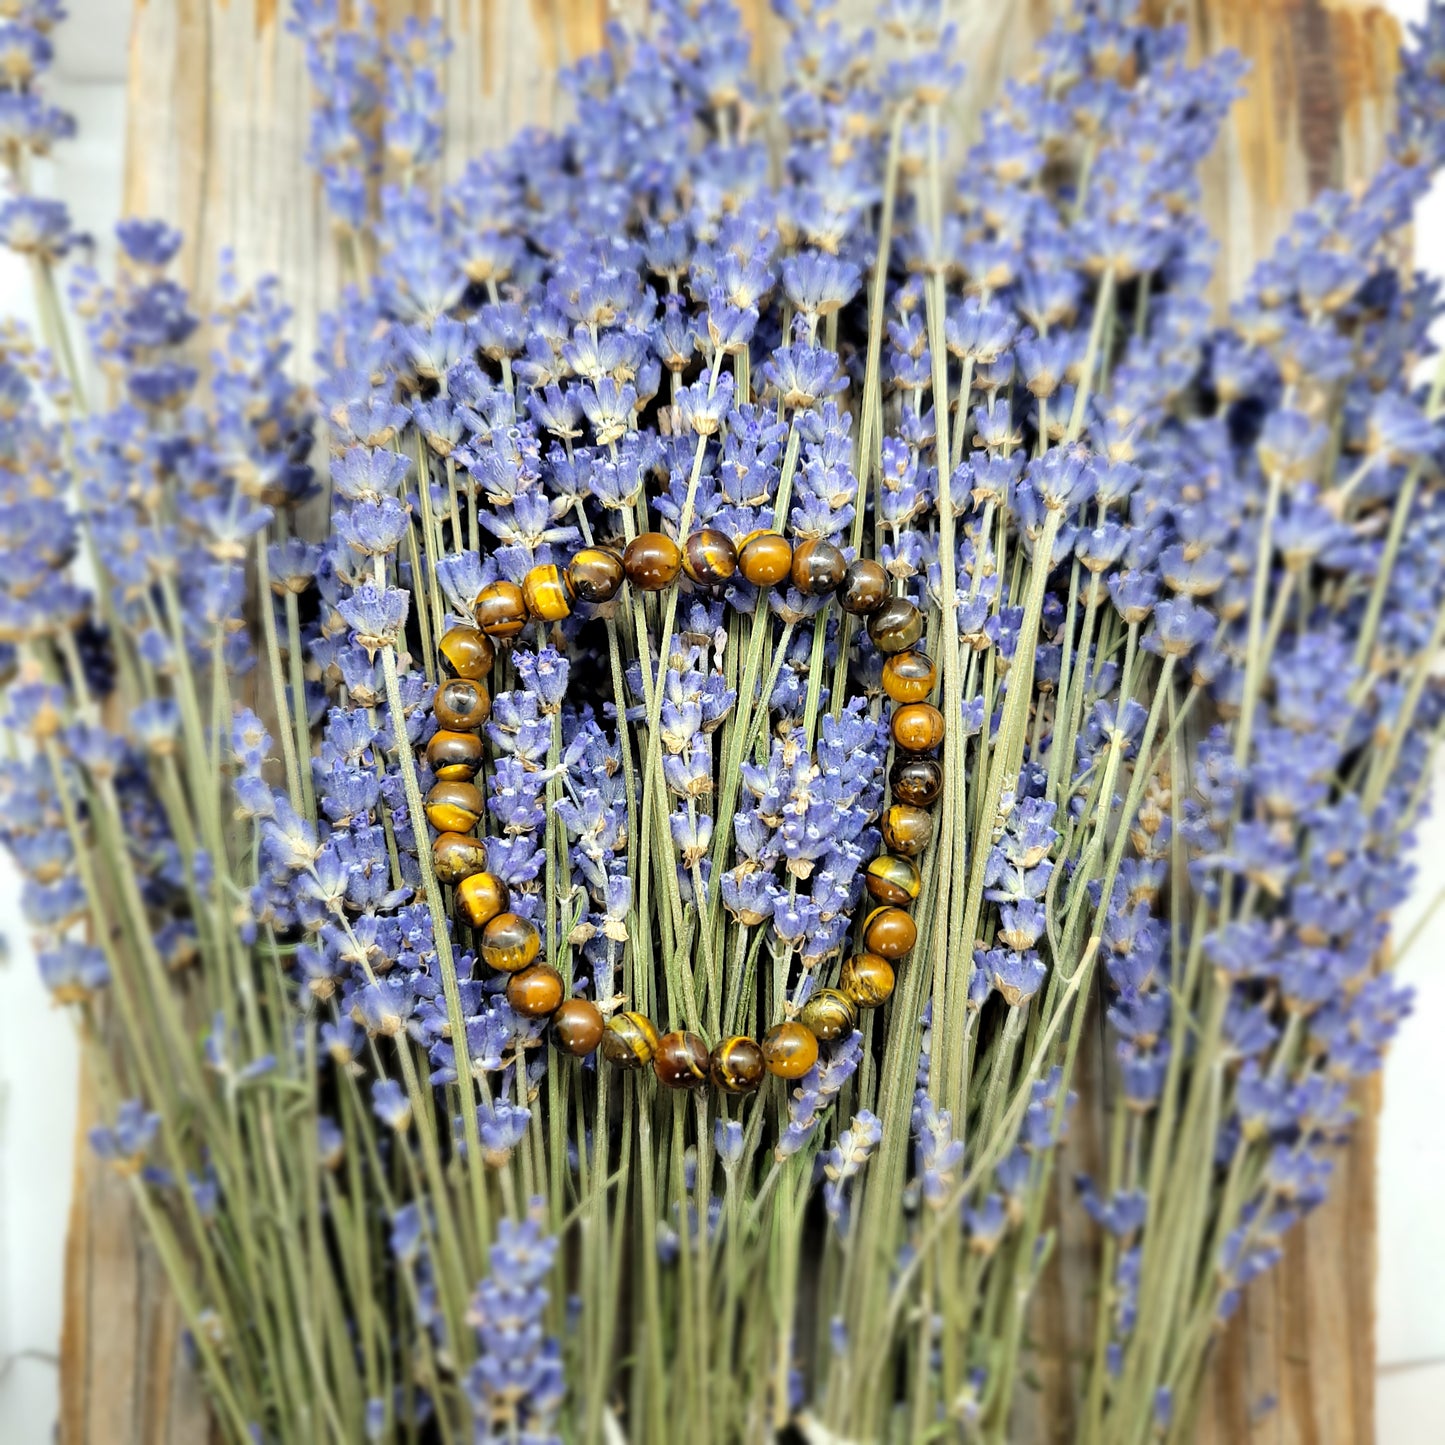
(462, 704)
(917, 727)
(454, 807)
(818, 568)
(896, 626)
(867, 979)
(455, 857)
(577, 1027)
(865, 587)
(547, 593)
(737, 1065)
(454, 757)
(500, 609)
(630, 1041)
(481, 897)
(510, 943)
(709, 557)
(909, 676)
(907, 830)
(765, 558)
(535, 992)
(915, 780)
(652, 561)
(467, 652)
(889, 932)
(891, 879)
(680, 1061)
(829, 1014)
(596, 574)
(790, 1050)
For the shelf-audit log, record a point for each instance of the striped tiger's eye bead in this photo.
(818, 568)
(629, 1041)
(535, 992)
(709, 558)
(652, 561)
(737, 1065)
(889, 932)
(829, 1014)
(909, 676)
(680, 1061)
(510, 943)
(467, 652)
(596, 574)
(896, 626)
(917, 727)
(454, 757)
(907, 830)
(891, 879)
(867, 979)
(790, 1050)
(462, 704)
(454, 807)
(915, 780)
(547, 593)
(865, 587)
(765, 558)
(500, 609)
(481, 897)
(577, 1027)
(455, 857)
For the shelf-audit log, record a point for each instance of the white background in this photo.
(37, 1057)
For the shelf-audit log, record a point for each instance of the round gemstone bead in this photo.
(481, 897)
(547, 592)
(454, 757)
(818, 568)
(454, 807)
(709, 558)
(596, 574)
(500, 609)
(577, 1027)
(909, 676)
(652, 561)
(915, 780)
(510, 943)
(896, 626)
(535, 992)
(907, 830)
(865, 587)
(790, 1050)
(467, 652)
(737, 1065)
(461, 703)
(680, 1061)
(917, 727)
(867, 979)
(765, 558)
(629, 1041)
(455, 856)
(891, 879)
(889, 932)
(829, 1014)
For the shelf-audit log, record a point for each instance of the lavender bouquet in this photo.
(583, 846)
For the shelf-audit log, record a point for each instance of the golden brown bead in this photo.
(765, 558)
(818, 568)
(535, 992)
(680, 1060)
(915, 780)
(500, 609)
(737, 1065)
(909, 676)
(454, 757)
(652, 561)
(896, 626)
(865, 587)
(907, 830)
(455, 857)
(547, 593)
(829, 1014)
(481, 897)
(596, 574)
(510, 943)
(709, 558)
(577, 1027)
(889, 932)
(454, 807)
(467, 652)
(917, 727)
(867, 979)
(790, 1050)
(461, 703)
(629, 1041)
(891, 879)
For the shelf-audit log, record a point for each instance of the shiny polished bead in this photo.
(829, 1013)
(454, 757)
(629, 1041)
(709, 557)
(867, 979)
(889, 932)
(896, 626)
(481, 897)
(535, 992)
(917, 727)
(467, 652)
(680, 1061)
(454, 807)
(909, 676)
(455, 856)
(737, 1065)
(865, 587)
(891, 879)
(652, 561)
(547, 593)
(765, 558)
(790, 1050)
(462, 704)
(500, 609)
(915, 780)
(818, 568)
(596, 574)
(510, 943)
(907, 830)
(577, 1027)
